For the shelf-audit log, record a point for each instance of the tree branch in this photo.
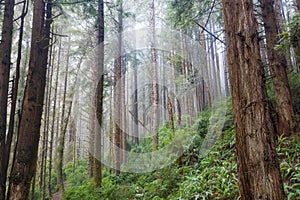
(210, 33)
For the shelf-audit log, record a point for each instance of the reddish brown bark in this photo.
(277, 66)
(29, 128)
(258, 168)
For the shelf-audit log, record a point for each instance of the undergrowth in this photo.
(211, 176)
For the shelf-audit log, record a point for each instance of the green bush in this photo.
(85, 191)
(193, 176)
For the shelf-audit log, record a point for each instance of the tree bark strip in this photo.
(99, 93)
(29, 128)
(5, 62)
(258, 167)
(278, 65)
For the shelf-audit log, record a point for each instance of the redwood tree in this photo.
(278, 65)
(24, 162)
(258, 168)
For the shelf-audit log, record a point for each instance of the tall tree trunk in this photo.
(66, 113)
(258, 167)
(135, 102)
(123, 108)
(277, 67)
(215, 67)
(281, 20)
(44, 149)
(15, 87)
(91, 139)
(207, 84)
(62, 136)
(99, 92)
(117, 96)
(47, 117)
(155, 94)
(53, 126)
(29, 128)
(5, 62)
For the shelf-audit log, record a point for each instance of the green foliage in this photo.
(78, 186)
(229, 115)
(295, 91)
(181, 12)
(290, 37)
(76, 175)
(202, 123)
(85, 191)
(192, 176)
(214, 176)
(289, 154)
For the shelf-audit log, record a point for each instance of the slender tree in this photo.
(117, 95)
(24, 162)
(5, 62)
(52, 129)
(99, 92)
(135, 102)
(155, 94)
(258, 168)
(63, 127)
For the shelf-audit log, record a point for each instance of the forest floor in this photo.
(57, 196)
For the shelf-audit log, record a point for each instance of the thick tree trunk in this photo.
(277, 67)
(11, 127)
(5, 62)
(29, 128)
(258, 168)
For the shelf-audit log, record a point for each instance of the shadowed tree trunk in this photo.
(296, 41)
(25, 159)
(258, 168)
(5, 62)
(277, 65)
(297, 4)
